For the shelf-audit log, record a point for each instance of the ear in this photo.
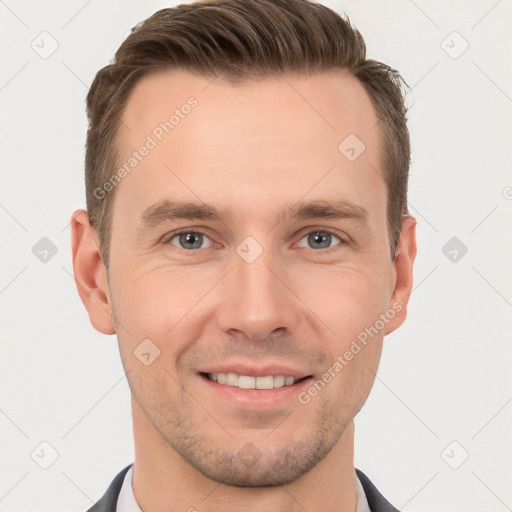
(90, 273)
(402, 280)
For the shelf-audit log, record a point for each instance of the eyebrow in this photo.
(166, 211)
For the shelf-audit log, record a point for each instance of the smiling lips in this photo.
(251, 382)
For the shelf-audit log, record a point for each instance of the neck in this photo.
(163, 480)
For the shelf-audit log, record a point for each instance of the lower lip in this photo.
(257, 398)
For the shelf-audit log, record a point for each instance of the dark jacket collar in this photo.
(376, 501)
(108, 501)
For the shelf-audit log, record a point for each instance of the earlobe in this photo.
(90, 273)
(403, 273)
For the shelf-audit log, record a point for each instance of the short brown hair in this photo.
(242, 40)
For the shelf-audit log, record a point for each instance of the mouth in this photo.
(263, 382)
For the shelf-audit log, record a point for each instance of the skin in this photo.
(253, 148)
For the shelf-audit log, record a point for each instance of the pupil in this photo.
(188, 239)
(321, 239)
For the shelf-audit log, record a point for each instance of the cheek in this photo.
(158, 298)
(160, 305)
(347, 298)
(350, 303)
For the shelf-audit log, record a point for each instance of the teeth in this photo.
(279, 381)
(248, 382)
(265, 382)
(245, 382)
(288, 381)
(231, 379)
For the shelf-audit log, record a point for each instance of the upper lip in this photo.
(252, 370)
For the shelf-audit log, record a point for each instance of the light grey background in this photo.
(443, 389)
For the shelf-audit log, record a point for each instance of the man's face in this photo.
(270, 288)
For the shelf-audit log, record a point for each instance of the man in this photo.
(247, 238)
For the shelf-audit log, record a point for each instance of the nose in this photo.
(257, 299)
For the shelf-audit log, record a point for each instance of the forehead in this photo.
(321, 103)
(287, 137)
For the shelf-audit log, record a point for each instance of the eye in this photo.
(319, 239)
(191, 240)
(188, 240)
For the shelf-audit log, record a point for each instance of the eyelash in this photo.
(171, 236)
